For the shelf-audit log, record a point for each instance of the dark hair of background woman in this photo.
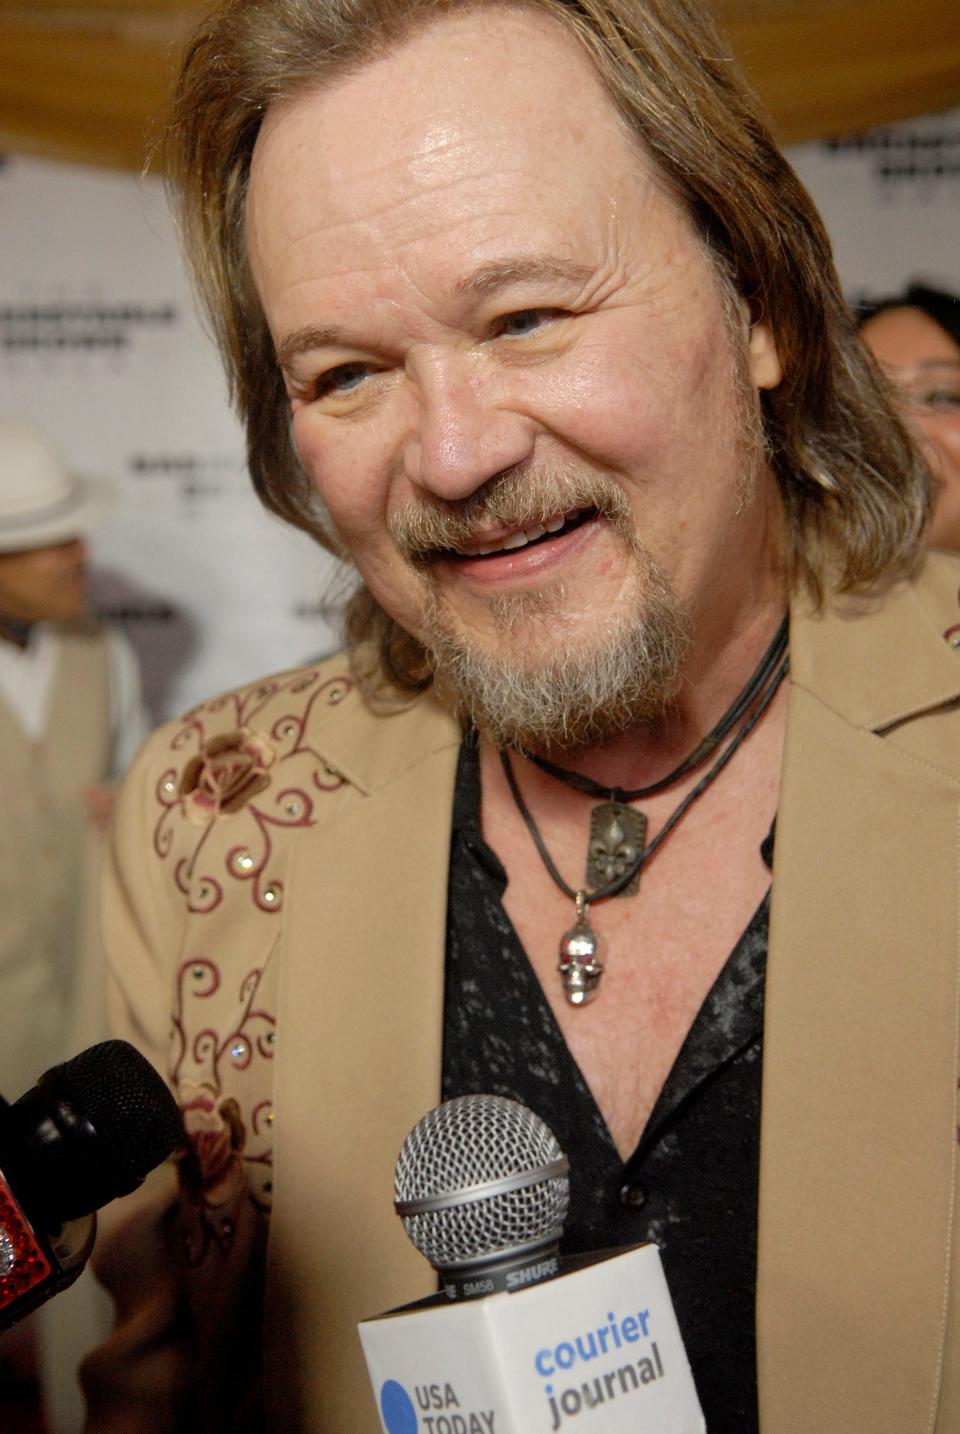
(938, 304)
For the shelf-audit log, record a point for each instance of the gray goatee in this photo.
(578, 688)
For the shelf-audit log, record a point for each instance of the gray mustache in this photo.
(517, 498)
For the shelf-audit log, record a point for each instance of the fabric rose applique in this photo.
(212, 1175)
(225, 774)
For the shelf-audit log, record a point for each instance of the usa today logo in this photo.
(396, 1408)
(441, 1411)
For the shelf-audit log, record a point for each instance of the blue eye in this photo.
(342, 379)
(525, 321)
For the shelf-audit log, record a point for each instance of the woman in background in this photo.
(915, 337)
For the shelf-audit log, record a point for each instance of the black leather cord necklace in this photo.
(617, 830)
(579, 965)
(741, 703)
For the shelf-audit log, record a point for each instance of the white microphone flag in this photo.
(594, 1351)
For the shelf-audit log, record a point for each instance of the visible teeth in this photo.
(519, 540)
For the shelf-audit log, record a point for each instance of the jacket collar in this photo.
(373, 745)
(878, 660)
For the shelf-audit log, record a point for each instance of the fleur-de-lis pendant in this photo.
(579, 965)
(617, 834)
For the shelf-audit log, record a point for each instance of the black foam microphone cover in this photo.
(87, 1132)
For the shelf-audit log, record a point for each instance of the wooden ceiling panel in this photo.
(830, 67)
(89, 81)
(88, 97)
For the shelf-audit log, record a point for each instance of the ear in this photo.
(766, 370)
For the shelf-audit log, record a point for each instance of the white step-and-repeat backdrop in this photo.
(99, 346)
(891, 201)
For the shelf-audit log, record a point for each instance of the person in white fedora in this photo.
(70, 718)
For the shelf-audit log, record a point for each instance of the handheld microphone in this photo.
(520, 1340)
(88, 1131)
(482, 1188)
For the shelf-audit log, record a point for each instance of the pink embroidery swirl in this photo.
(238, 775)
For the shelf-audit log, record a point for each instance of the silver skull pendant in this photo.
(579, 965)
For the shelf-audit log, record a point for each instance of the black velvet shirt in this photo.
(691, 1184)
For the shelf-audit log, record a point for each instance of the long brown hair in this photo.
(855, 492)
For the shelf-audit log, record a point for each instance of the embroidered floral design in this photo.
(212, 1176)
(221, 1082)
(225, 774)
(238, 774)
(212, 1170)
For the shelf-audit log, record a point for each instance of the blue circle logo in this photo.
(397, 1409)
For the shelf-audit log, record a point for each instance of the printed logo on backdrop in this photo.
(922, 157)
(87, 327)
(192, 477)
(155, 613)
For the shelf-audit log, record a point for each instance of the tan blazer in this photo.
(325, 875)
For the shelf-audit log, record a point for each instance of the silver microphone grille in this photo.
(478, 1175)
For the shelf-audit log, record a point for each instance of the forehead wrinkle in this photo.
(390, 233)
(499, 274)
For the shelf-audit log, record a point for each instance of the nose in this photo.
(463, 430)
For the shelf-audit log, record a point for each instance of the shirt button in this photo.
(633, 1197)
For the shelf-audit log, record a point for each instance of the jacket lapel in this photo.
(859, 1128)
(361, 1005)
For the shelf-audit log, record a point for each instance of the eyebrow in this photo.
(486, 280)
(920, 367)
(500, 274)
(303, 340)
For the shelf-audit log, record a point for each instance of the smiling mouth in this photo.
(520, 538)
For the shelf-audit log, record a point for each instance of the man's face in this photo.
(923, 362)
(44, 584)
(513, 379)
